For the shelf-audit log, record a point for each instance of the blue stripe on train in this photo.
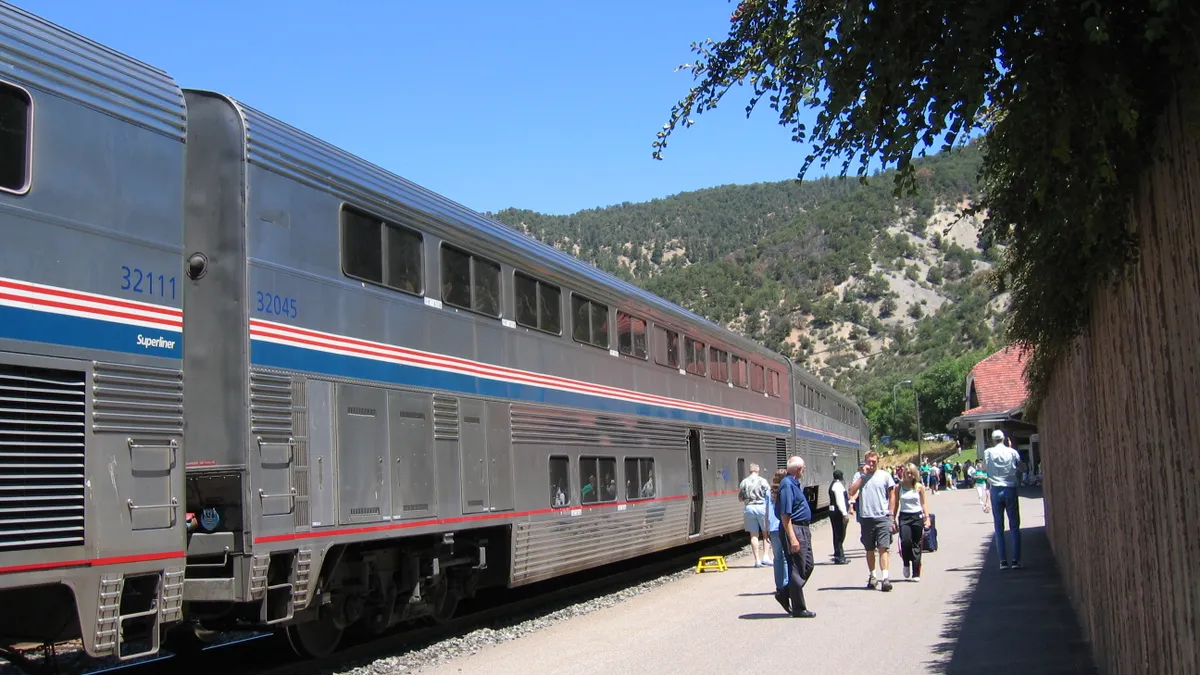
(287, 357)
(72, 331)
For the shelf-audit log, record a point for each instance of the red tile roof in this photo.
(999, 382)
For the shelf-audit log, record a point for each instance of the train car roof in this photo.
(48, 57)
(279, 147)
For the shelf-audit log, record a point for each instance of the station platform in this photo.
(965, 616)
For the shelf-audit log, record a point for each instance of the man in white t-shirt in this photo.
(1001, 462)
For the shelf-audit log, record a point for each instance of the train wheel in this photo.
(314, 639)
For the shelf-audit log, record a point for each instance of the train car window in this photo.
(741, 470)
(666, 347)
(631, 335)
(539, 305)
(738, 372)
(693, 353)
(560, 481)
(718, 364)
(639, 478)
(590, 321)
(773, 383)
(598, 476)
(15, 123)
(470, 282)
(758, 378)
(379, 252)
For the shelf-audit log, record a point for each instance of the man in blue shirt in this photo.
(794, 518)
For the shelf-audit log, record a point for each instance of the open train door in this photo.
(695, 462)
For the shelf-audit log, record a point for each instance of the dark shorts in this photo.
(876, 533)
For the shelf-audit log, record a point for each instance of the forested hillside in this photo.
(859, 286)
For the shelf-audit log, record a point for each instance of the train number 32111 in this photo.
(269, 303)
(141, 281)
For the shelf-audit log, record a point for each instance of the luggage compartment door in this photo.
(410, 437)
(473, 449)
(362, 442)
(499, 455)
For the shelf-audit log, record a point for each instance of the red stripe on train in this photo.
(94, 562)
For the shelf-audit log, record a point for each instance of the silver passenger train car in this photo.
(390, 401)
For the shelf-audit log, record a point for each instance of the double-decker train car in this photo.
(383, 400)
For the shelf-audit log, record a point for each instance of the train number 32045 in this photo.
(269, 303)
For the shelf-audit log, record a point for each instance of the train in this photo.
(251, 381)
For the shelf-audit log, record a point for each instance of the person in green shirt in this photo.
(981, 485)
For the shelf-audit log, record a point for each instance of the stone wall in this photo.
(1120, 434)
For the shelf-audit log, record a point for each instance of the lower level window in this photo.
(560, 481)
(639, 478)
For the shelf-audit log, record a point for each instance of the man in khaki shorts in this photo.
(875, 517)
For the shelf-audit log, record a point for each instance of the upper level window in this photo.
(737, 369)
(718, 364)
(631, 335)
(666, 347)
(380, 252)
(15, 123)
(773, 382)
(758, 378)
(693, 354)
(539, 305)
(590, 321)
(470, 282)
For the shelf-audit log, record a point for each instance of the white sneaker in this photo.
(907, 571)
(917, 579)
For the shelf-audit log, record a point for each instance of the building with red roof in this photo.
(995, 399)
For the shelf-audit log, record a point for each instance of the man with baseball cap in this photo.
(1001, 462)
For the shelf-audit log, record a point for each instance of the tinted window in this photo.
(737, 371)
(718, 364)
(550, 308)
(631, 335)
(403, 255)
(590, 321)
(693, 352)
(456, 278)
(526, 294)
(666, 349)
(639, 478)
(598, 478)
(538, 304)
(772, 382)
(360, 247)
(757, 378)
(486, 285)
(14, 138)
(560, 482)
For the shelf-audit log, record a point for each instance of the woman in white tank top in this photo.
(913, 519)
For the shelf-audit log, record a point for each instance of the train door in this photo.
(362, 433)
(499, 456)
(410, 437)
(695, 461)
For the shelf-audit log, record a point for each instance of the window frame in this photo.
(471, 258)
(591, 314)
(537, 298)
(384, 224)
(645, 336)
(756, 368)
(774, 382)
(29, 121)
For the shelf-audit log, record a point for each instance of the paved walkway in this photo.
(966, 616)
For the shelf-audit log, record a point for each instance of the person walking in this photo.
(777, 547)
(795, 517)
(980, 477)
(913, 516)
(839, 517)
(753, 491)
(1001, 462)
(875, 517)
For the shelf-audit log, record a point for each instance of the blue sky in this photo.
(550, 106)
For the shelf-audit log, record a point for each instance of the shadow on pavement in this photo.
(1015, 621)
(762, 615)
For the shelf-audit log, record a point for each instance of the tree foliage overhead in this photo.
(1069, 94)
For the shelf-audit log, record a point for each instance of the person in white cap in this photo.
(1001, 462)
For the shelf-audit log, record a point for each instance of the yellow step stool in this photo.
(711, 562)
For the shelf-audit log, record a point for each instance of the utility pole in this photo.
(917, 398)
